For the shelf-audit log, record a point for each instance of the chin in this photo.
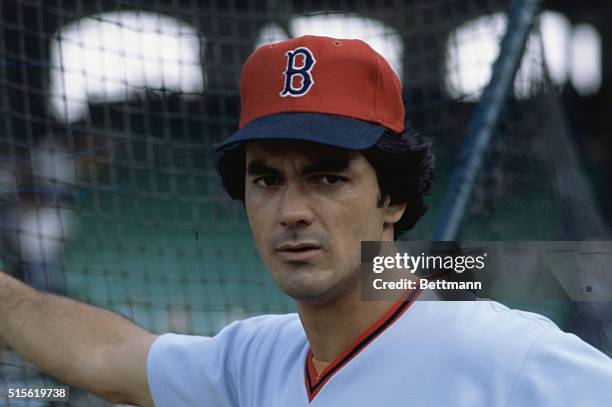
(310, 297)
(312, 283)
(300, 284)
(301, 291)
(313, 292)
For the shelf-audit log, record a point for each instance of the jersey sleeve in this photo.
(185, 370)
(562, 370)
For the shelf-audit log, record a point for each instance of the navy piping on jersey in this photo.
(313, 389)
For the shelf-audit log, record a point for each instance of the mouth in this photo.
(298, 251)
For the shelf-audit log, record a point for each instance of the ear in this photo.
(393, 213)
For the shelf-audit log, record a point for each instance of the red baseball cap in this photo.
(338, 92)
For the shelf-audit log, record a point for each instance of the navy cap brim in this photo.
(337, 131)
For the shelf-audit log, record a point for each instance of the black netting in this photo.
(109, 111)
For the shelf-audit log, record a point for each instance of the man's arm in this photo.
(81, 345)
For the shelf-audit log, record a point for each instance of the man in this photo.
(322, 161)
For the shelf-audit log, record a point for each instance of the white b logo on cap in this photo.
(302, 71)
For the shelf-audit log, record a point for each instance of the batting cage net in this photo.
(110, 110)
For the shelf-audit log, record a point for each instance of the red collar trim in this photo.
(314, 384)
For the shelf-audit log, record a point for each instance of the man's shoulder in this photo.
(269, 325)
(263, 332)
(480, 317)
(492, 314)
(254, 329)
(481, 332)
(509, 333)
(512, 356)
(238, 339)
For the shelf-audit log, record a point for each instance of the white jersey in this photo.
(422, 354)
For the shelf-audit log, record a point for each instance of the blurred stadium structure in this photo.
(110, 109)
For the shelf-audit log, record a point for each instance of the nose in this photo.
(294, 211)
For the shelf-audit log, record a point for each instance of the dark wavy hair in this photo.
(404, 169)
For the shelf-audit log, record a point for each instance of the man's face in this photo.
(309, 207)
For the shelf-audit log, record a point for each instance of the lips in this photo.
(301, 251)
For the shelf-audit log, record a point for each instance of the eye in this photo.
(330, 179)
(267, 181)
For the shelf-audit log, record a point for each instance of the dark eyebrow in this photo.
(325, 164)
(258, 167)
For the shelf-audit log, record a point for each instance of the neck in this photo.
(332, 327)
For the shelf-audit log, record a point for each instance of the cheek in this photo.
(257, 222)
(356, 223)
(260, 233)
(256, 214)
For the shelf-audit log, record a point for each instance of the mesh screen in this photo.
(110, 110)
